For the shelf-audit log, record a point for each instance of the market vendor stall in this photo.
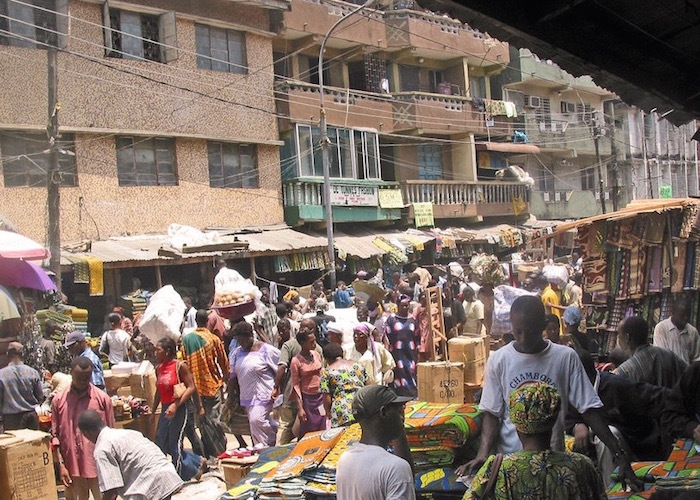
(440, 437)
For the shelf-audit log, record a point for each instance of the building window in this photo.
(232, 165)
(354, 154)
(32, 23)
(588, 179)
(146, 161)
(220, 49)
(477, 86)
(134, 35)
(25, 160)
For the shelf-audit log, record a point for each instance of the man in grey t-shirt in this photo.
(367, 471)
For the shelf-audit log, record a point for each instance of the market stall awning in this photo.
(507, 147)
(632, 209)
(154, 249)
(361, 244)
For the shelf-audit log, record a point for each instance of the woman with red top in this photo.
(173, 417)
(305, 368)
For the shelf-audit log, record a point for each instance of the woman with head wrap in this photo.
(373, 356)
(537, 471)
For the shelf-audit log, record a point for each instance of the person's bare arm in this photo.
(489, 434)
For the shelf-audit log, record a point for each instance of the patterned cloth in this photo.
(307, 454)
(441, 480)
(540, 474)
(439, 424)
(206, 356)
(534, 407)
(653, 365)
(401, 333)
(268, 460)
(431, 457)
(342, 384)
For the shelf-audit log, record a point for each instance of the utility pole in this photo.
(596, 140)
(53, 178)
(613, 151)
(650, 188)
(325, 142)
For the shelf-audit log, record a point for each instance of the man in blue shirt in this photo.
(341, 297)
(77, 345)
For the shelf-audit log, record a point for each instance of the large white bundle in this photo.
(558, 275)
(503, 298)
(181, 236)
(163, 316)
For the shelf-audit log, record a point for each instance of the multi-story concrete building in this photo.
(167, 114)
(407, 98)
(638, 155)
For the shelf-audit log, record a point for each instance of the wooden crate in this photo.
(472, 351)
(441, 382)
(471, 392)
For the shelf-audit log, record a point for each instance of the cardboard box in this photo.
(441, 382)
(144, 387)
(114, 381)
(236, 469)
(472, 352)
(26, 466)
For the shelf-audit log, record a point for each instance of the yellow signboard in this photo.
(423, 214)
(390, 198)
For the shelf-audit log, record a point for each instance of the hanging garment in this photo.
(655, 271)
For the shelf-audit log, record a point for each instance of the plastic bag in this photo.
(503, 298)
(163, 316)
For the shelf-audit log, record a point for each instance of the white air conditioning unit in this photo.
(568, 107)
(532, 101)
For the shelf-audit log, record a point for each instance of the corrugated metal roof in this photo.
(360, 243)
(143, 249)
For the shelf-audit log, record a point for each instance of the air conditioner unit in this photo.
(532, 101)
(568, 107)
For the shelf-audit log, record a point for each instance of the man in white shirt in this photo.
(366, 471)
(677, 335)
(474, 311)
(531, 358)
(191, 314)
(128, 464)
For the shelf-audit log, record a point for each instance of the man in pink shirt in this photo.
(72, 451)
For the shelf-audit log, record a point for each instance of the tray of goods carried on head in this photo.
(234, 305)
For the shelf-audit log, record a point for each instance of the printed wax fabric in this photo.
(432, 456)
(321, 480)
(679, 473)
(540, 474)
(307, 454)
(342, 384)
(439, 480)
(268, 460)
(440, 425)
(401, 333)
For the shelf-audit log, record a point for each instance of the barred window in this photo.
(146, 161)
(232, 165)
(26, 161)
(219, 49)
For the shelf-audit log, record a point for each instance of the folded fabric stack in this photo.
(268, 460)
(321, 480)
(679, 473)
(135, 303)
(79, 317)
(441, 425)
(431, 457)
(442, 482)
(43, 315)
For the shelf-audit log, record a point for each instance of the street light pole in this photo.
(325, 154)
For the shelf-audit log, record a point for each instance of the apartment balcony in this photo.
(438, 37)
(313, 18)
(462, 199)
(559, 134)
(301, 101)
(444, 115)
(352, 200)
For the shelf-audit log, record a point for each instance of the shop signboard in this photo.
(354, 196)
(665, 192)
(423, 214)
(390, 198)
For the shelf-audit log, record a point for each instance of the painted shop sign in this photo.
(354, 196)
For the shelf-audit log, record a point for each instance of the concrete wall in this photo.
(99, 102)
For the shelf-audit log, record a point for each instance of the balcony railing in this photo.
(463, 192)
(346, 192)
(559, 132)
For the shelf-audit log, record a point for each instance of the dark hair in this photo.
(532, 308)
(304, 334)
(201, 318)
(114, 318)
(332, 351)
(242, 329)
(552, 318)
(284, 322)
(90, 421)
(681, 304)
(281, 309)
(82, 362)
(168, 345)
(636, 328)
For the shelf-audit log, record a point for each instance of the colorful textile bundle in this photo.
(307, 454)
(268, 460)
(324, 475)
(429, 457)
(440, 425)
(439, 480)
